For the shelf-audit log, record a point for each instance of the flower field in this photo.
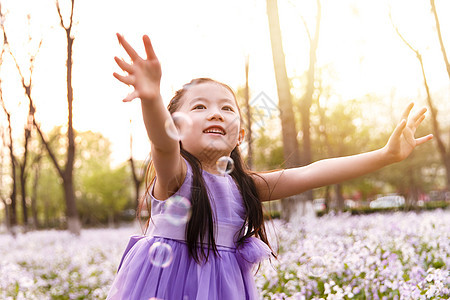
(378, 256)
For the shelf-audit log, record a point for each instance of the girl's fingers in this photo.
(423, 139)
(422, 117)
(399, 129)
(407, 111)
(131, 96)
(149, 48)
(419, 114)
(129, 80)
(131, 52)
(123, 65)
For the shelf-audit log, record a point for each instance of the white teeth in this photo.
(215, 130)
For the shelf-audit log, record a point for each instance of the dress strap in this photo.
(225, 235)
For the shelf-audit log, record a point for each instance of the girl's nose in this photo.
(216, 115)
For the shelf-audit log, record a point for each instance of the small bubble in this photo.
(160, 254)
(316, 266)
(179, 126)
(225, 165)
(177, 210)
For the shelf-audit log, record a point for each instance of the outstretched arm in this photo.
(293, 181)
(145, 76)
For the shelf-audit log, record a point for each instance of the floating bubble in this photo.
(316, 266)
(177, 210)
(161, 254)
(179, 126)
(225, 165)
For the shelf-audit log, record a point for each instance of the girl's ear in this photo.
(241, 136)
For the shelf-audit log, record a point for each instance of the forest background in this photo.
(341, 72)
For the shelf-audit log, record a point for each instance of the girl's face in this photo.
(215, 121)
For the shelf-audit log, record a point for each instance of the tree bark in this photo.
(288, 129)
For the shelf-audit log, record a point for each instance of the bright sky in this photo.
(359, 54)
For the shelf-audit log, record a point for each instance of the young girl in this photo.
(210, 255)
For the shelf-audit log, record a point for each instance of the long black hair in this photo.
(200, 227)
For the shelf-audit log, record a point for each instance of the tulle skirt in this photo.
(170, 273)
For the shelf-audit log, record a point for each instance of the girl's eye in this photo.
(229, 108)
(200, 106)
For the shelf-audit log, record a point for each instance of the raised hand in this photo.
(402, 141)
(143, 74)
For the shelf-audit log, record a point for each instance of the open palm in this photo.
(143, 74)
(402, 141)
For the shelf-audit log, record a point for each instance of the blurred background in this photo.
(73, 155)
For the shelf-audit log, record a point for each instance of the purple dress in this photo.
(177, 275)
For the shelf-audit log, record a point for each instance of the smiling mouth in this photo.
(214, 130)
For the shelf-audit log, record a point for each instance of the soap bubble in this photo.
(161, 254)
(225, 165)
(316, 266)
(183, 125)
(177, 210)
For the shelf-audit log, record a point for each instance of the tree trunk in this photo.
(441, 42)
(339, 197)
(23, 197)
(248, 114)
(327, 199)
(24, 162)
(73, 220)
(413, 193)
(289, 132)
(305, 105)
(34, 210)
(13, 195)
(137, 180)
(6, 205)
(22, 165)
(66, 174)
(443, 151)
(447, 67)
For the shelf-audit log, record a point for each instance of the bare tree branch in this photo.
(441, 42)
(445, 155)
(13, 194)
(61, 19)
